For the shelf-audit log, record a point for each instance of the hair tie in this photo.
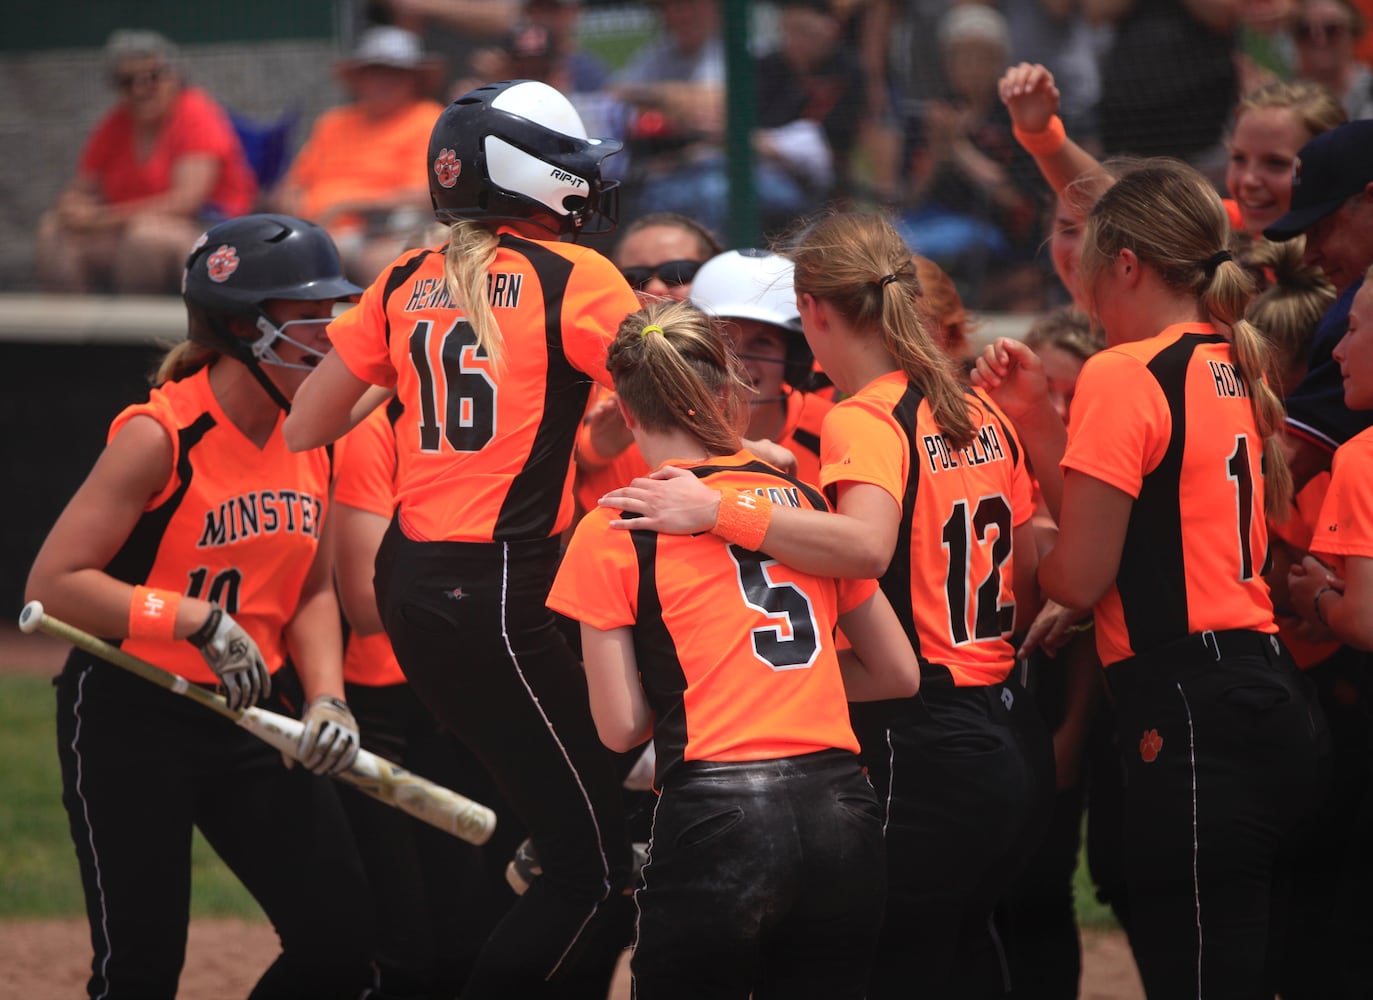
(691, 413)
(651, 328)
(1214, 261)
(885, 280)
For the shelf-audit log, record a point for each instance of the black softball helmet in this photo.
(240, 264)
(518, 150)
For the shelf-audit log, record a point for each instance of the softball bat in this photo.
(389, 783)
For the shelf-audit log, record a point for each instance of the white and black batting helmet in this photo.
(518, 150)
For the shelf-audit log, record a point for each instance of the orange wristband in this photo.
(743, 518)
(1045, 143)
(152, 614)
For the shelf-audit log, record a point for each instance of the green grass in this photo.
(38, 873)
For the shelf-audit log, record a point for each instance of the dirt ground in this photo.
(50, 959)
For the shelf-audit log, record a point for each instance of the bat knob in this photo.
(31, 617)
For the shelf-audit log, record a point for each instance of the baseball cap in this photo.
(748, 284)
(384, 45)
(1328, 170)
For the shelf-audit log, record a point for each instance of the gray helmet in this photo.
(238, 265)
(241, 263)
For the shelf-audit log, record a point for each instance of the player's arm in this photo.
(855, 542)
(314, 633)
(881, 663)
(1025, 574)
(357, 536)
(1083, 563)
(619, 705)
(1341, 606)
(68, 575)
(329, 403)
(1032, 98)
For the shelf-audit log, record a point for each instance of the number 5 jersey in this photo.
(734, 649)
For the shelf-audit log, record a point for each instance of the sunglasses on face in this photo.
(1308, 31)
(670, 272)
(139, 78)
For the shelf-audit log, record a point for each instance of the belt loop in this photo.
(1208, 639)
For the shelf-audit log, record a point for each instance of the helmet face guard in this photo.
(239, 265)
(517, 150)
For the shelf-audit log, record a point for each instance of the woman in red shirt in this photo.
(161, 161)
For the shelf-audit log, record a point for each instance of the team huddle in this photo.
(802, 608)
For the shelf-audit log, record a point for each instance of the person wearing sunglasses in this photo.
(659, 255)
(159, 165)
(1327, 32)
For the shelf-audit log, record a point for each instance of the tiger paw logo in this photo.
(222, 263)
(1149, 746)
(447, 166)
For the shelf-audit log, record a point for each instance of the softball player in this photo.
(492, 342)
(932, 497)
(765, 872)
(437, 897)
(195, 543)
(1171, 461)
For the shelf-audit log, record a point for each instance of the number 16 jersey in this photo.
(484, 451)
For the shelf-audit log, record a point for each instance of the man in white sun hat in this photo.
(357, 174)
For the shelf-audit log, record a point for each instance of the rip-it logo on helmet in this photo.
(447, 167)
(222, 263)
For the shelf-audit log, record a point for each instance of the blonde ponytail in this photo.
(467, 260)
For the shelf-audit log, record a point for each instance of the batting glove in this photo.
(235, 659)
(329, 743)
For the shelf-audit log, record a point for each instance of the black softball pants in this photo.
(469, 627)
(1225, 753)
(141, 766)
(437, 896)
(765, 879)
(966, 776)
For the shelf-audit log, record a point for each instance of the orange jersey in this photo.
(805, 412)
(1345, 525)
(235, 524)
(734, 649)
(487, 455)
(366, 480)
(950, 579)
(1168, 421)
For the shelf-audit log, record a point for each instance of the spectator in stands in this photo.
(469, 34)
(974, 194)
(675, 87)
(1327, 31)
(158, 166)
(1169, 80)
(815, 76)
(659, 255)
(357, 174)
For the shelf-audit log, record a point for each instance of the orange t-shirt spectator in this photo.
(360, 174)
(157, 166)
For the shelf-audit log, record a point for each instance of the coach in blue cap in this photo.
(1332, 205)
